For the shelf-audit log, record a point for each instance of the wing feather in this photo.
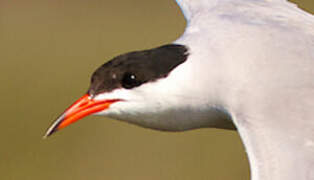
(192, 7)
(266, 48)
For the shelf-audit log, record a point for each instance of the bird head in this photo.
(130, 87)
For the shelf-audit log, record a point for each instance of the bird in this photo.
(244, 65)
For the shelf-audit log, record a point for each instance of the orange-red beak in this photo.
(81, 108)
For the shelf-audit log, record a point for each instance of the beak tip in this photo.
(45, 136)
(49, 133)
(54, 127)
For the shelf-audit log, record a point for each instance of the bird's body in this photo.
(250, 63)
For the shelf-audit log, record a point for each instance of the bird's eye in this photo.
(130, 80)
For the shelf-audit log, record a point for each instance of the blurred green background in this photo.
(48, 49)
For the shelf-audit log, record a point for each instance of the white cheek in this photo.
(131, 102)
(134, 102)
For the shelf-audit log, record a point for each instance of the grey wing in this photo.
(274, 107)
(274, 112)
(284, 151)
(192, 7)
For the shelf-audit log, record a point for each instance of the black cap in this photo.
(136, 68)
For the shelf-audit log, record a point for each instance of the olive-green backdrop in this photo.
(48, 49)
